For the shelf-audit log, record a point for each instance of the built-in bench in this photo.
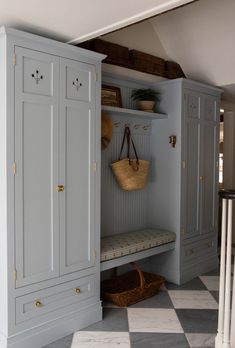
(128, 247)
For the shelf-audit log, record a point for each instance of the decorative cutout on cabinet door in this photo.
(37, 77)
(77, 84)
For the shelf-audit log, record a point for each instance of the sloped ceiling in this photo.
(78, 20)
(199, 36)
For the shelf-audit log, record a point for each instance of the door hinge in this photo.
(95, 167)
(96, 76)
(217, 164)
(14, 168)
(15, 274)
(14, 59)
(184, 164)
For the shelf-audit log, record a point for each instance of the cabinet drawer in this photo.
(200, 248)
(50, 299)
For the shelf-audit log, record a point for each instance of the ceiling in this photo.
(199, 36)
(78, 20)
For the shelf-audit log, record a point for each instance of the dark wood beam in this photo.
(133, 59)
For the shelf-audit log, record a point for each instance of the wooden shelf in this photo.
(133, 113)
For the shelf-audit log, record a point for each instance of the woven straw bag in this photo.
(131, 174)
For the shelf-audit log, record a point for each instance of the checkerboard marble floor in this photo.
(177, 317)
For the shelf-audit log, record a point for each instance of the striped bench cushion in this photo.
(128, 243)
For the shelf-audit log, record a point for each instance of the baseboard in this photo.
(198, 268)
(44, 334)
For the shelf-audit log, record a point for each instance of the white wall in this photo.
(200, 37)
(141, 36)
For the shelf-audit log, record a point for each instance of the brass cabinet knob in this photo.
(38, 304)
(77, 290)
(201, 177)
(60, 188)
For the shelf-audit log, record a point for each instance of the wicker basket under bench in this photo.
(120, 249)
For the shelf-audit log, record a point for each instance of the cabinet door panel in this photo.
(36, 156)
(192, 157)
(192, 183)
(209, 169)
(77, 148)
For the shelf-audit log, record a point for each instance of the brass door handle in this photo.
(38, 304)
(60, 188)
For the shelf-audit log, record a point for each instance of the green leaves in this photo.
(145, 94)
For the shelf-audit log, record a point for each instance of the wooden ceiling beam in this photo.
(133, 59)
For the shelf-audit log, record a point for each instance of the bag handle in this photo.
(141, 275)
(127, 135)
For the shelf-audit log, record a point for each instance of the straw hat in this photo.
(106, 129)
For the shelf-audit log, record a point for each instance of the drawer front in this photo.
(44, 301)
(200, 248)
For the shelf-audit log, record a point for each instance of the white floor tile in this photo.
(201, 340)
(192, 299)
(211, 282)
(153, 320)
(101, 339)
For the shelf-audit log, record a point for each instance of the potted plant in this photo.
(146, 98)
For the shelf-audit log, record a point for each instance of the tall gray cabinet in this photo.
(49, 226)
(184, 187)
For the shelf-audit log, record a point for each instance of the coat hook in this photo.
(137, 126)
(117, 124)
(145, 127)
(172, 140)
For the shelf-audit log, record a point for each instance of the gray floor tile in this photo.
(115, 319)
(158, 340)
(160, 300)
(64, 342)
(194, 284)
(198, 320)
(215, 272)
(215, 294)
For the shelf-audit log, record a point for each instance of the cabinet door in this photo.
(36, 157)
(209, 172)
(77, 174)
(192, 134)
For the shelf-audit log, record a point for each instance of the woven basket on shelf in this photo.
(131, 287)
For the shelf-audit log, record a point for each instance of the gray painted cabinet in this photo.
(49, 152)
(201, 162)
(184, 197)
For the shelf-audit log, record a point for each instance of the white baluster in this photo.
(233, 312)
(219, 337)
(226, 339)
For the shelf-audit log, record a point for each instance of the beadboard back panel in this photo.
(123, 211)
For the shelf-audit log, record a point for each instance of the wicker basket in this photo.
(131, 287)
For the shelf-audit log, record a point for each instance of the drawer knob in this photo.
(38, 304)
(201, 178)
(77, 290)
(60, 188)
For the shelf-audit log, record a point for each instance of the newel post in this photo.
(225, 336)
